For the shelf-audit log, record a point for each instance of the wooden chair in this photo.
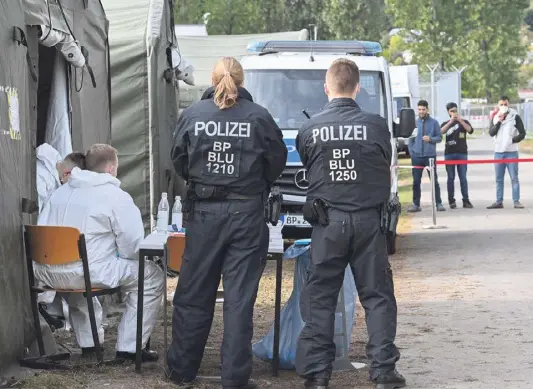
(49, 245)
(172, 260)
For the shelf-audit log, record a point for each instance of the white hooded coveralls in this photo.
(47, 182)
(47, 175)
(94, 204)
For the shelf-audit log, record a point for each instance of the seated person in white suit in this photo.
(52, 172)
(93, 202)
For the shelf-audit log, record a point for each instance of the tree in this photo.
(355, 19)
(528, 20)
(483, 34)
(496, 48)
(188, 11)
(227, 16)
(525, 77)
(302, 13)
(232, 16)
(273, 15)
(395, 47)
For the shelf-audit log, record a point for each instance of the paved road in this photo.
(465, 293)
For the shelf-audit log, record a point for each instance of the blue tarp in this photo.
(291, 322)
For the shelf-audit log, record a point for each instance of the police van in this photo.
(287, 78)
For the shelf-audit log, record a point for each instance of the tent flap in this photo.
(144, 104)
(16, 157)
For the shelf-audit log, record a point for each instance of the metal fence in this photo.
(478, 115)
(439, 91)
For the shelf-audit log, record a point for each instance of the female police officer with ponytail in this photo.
(230, 151)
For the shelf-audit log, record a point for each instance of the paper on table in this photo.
(276, 239)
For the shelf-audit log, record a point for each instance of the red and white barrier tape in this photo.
(483, 161)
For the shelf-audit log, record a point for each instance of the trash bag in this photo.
(291, 323)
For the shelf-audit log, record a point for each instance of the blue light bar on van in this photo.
(331, 47)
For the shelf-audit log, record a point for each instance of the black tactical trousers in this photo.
(355, 239)
(228, 238)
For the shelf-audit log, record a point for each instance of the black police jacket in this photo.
(240, 148)
(347, 153)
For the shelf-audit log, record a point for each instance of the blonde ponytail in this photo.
(227, 77)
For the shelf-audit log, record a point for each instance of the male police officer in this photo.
(230, 151)
(347, 153)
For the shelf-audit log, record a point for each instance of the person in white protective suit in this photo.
(93, 202)
(52, 172)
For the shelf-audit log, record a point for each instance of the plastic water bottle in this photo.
(177, 217)
(162, 215)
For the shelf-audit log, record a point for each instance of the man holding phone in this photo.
(456, 149)
(507, 130)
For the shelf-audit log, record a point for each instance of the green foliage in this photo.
(355, 19)
(529, 20)
(394, 49)
(481, 34)
(525, 77)
(484, 35)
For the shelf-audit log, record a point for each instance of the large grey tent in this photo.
(15, 180)
(143, 98)
(88, 89)
(47, 91)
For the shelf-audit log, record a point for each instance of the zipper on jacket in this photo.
(423, 134)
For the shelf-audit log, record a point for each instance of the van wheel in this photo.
(391, 242)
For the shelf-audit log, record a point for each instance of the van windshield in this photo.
(285, 93)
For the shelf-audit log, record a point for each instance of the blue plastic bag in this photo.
(291, 323)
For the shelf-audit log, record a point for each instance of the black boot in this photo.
(467, 204)
(250, 385)
(390, 380)
(54, 322)
(146, 356)
(180, 382)
(318, 383)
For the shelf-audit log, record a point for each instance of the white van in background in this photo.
(287, 78)
(405, 85)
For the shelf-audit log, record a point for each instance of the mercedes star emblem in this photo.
(300, 179)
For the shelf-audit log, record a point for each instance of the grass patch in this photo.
(405, 192)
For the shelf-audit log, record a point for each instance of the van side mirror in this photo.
(407, 123)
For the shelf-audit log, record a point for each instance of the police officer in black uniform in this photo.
(230, 151)
(347, 153)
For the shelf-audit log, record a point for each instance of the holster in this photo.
(273, 206)
(187, 204)
(384, 216)
(316, 211)
(389, 212)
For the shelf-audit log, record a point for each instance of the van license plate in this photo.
(294, 221)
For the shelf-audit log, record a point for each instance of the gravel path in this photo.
(465, 293)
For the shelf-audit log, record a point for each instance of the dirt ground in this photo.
(124, 377)
(465, 302)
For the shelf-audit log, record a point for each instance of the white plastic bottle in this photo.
(162, 215)
(177, 217)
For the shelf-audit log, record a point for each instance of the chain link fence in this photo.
(479, 115)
